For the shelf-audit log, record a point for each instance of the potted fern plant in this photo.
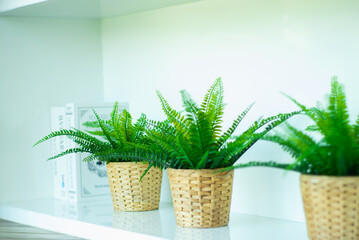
(134, 185)
(329, 167)
(196, 149)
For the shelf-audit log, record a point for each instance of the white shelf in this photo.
(98, 220)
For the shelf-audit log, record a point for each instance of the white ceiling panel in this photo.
(86, 8)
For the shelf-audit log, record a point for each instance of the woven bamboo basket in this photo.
(130, 194)
(331, 206)
(201, 198)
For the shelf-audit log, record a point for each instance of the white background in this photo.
(43, 62)
(259, 48)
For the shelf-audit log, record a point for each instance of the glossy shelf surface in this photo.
(98, 220)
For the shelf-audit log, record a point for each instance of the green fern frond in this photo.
(312, 128)
(288, 144)
(139, 128)
(301, 136)
(257, 164)
(154, 158)
(356, 132)
(176, 118)
(203, 162)
(209, 98)
(120, 138)
(200, 132)
(90, 144)
(195, 139)
(301, 106)
(168, 144)
(188, 103)
(70, 151)
(223, 139)
(71, 132)
(271, 122)
(95, 133)
(106, 131)
(216, 109)
(337, 152)
(94, 124)
(115, 114)
(125, 128)
(190, 154)
(89, 158)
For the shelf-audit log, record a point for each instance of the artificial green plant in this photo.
(193, 138)
(109, 138)
(335, 153)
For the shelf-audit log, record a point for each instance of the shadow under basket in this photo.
(201, 197)
(331, 206)
(130, 194)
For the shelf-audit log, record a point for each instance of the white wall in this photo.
(258, 47)
(43, 62)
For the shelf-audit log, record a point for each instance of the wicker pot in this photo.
(130, 194)
(201, 198)
(331, 206)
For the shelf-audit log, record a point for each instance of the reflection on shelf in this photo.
(92, 212)
(221, 233)
(147, 222)
(158, 223)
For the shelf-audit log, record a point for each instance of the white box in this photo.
(58, 145)
(86, 180)
(73, 179)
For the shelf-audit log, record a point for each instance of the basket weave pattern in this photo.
(130, 194)
(331, 207)
(201, 198)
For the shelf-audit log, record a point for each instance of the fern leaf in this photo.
(94, 124)
(288, 145)
(96, 133)
(89, 158)
(200, 132)
(216, 107)
(142, 155)
(208, 98)
(312, 128)
(301, 106)
(106, 131)
(175, 117)
(114, 113)
(271, 122)
(169, 144)
(66, 132)
(139, 128)
(188, 103)
(190, 154)
(257, 164)
(70, 151)
(203, 162)
(222, 140)
(356, 132)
